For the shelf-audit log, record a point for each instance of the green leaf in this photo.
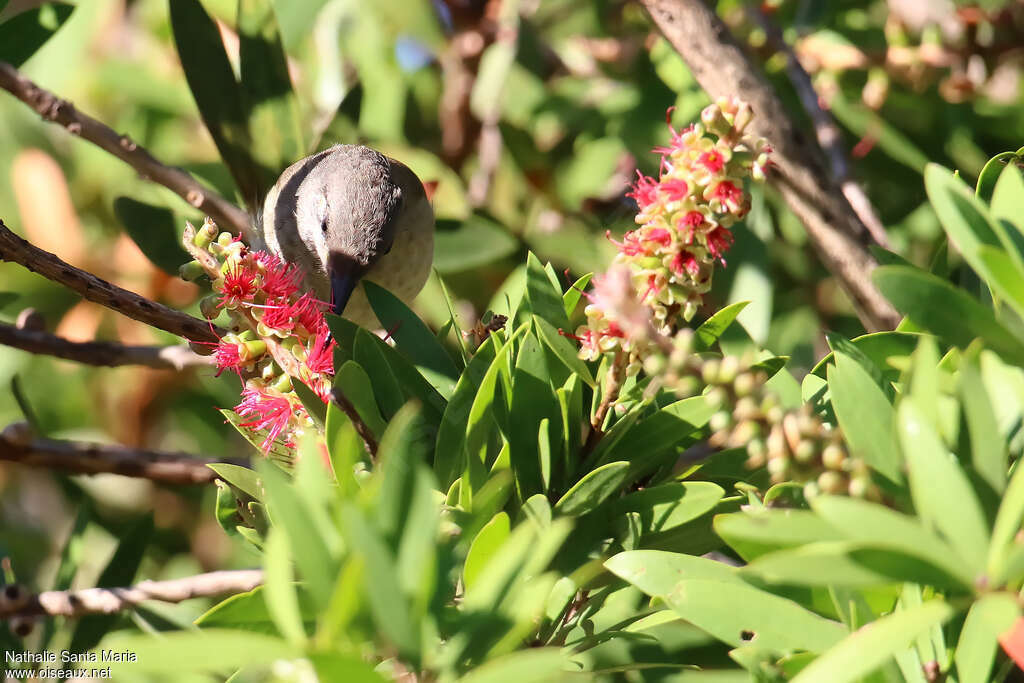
(155, 230)
(242, 478)
(542, 298)
(248, 612)
(309, 548)
(945, 310)
(564, 349)
(385, 597)
(406, 444)
(1005, 529)
(865, 416)
(272, 110)
(739, 614)
(842, 563)
(7, 298)
(311, 401)
(470, 244)
(357, 387)
(593, 489)
(990, 174)
(754, 534)
(120, 571)
(657, 572)
(712, 328)
(331, 666)
(1003, 274)
(532, 400)
(572, 295)
(449, 454)
(990, 617)
(883, 528)
(672, 427)
(964, 218)
(23, 34)
(988, 449)
(667, 506)
(538, 664)
(873, 645)
(484, 546)
(411, 335)
(217, 93)
(1008, 200)
(943, 496)
(277, 451)
(388, 392)
(210, 650)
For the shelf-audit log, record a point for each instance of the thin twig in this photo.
(834, 228)
(369, 440)
(610, 393)
(15, 602)
(829, 137)
(62, 112)
(18, 446)
(92, 288)
(106, 354)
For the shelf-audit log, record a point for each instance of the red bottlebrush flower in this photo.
(677, 142)
(684, 263)
(309, 312)
(280, 279)
(630, 244)
(320, 358)
(645, 191)
(659, 236)
(727, 192)
(239, 285)
(712, 161)
(227, 358)
(719, 241)
(691, 220)
(675, 189)
(280, 315)
(614, 331)
(269, 412)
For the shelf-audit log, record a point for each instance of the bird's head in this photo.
(349, 209)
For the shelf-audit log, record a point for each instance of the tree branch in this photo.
(62, 112)
(92, 288)
(15, 602)
(722, 69)
(18, 446)
(825, 128)
(106, 354)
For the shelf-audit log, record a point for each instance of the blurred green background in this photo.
(533, 117)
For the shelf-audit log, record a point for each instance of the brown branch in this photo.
(106, 354)
(829, 137)
(721, 68)
(92, 288)
(62, 112)
(18, 446)
(369, 440)
(15, 602)
(612, 386)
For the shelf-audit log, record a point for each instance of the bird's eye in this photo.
(323, 225)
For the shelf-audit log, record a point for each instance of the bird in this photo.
(346, 214)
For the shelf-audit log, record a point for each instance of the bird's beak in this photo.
(344, 273)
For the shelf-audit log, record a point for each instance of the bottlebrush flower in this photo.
(278, 334)
(684, 219)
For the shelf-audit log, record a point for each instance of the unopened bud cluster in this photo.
(277, 334)
(794, 445)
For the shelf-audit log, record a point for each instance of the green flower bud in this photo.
(756, 453)
(205, 235)
(710, 372)
(251, 350)
(720, 421)
(191, 271)
(224, 239)
(209, 306)
(744, 384)
(805, 451)
(284, 383)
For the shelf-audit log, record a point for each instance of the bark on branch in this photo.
(92, 288)
(106, 354)
(721, 68)
(18, 446)
(15, 602)
(60, 111)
